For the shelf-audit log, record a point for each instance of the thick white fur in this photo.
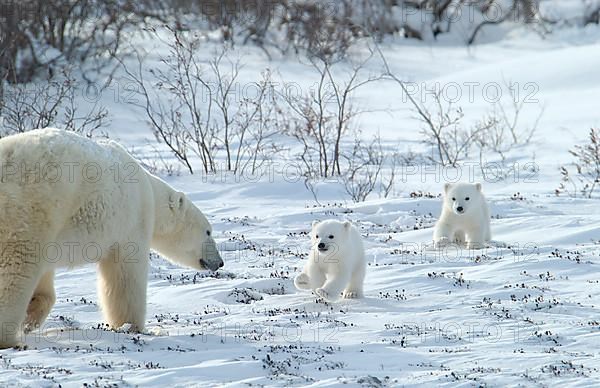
(341, 267)
(472, 225)
(52, 206)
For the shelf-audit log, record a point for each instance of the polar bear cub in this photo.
(465, 217)
(336, 261)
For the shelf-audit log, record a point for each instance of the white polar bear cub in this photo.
(62, 194)
(465, 217)
(336, 261)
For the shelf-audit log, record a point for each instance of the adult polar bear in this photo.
(66, 200)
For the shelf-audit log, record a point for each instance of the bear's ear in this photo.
(446, 187)
(176, 201)
(315, 223)
(347, 225)
(478, 186)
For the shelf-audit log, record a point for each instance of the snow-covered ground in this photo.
(523, 313)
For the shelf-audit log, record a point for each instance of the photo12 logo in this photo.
(68, 172)
(470, 92)
(472, 172)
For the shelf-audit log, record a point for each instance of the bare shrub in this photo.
(586, 177)
(444, 131)
(450, 141)
(323, 29)
(391, 162)
(327, 29)
(48, 104)
(166, 120)
(194, 106)
(37, 37)
(256, 127)
(322, 117)
(43, 35)
(523, 11)
(506, 129)
(364, 164)
(591, 13)
(377, 18)
(156, 163)
(499, 131)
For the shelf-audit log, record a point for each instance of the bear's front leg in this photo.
(18, 278)
(41, 303)
(459, 237)
(442, 235)
(334, 285)
(355, 287)
(302, 282)
(311, 278)
(475, 239)
(122, 289)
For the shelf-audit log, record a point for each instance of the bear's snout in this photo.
(322, 246)
(212, 265)
(460, 209)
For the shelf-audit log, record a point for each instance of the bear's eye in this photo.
(316, 236)
(454, 199)
(331, 236)
(466, 199)
(208, 232)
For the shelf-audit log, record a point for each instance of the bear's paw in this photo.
(302, 281)
(442, 243)
(328, 296)
(351, 295)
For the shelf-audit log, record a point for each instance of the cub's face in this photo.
(461, 198)
(191, 242)
(328, 236)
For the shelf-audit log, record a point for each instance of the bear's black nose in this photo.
(460, 209)
(321, 245)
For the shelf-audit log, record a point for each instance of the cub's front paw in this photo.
(302, 282)
(475, 245)
(351, 295)
(328, 296)
(441, 243)
(322, 293)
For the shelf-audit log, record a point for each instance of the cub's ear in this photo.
(315, 223)
(446, 187)
(478, 186)
(176, 201)
(347, 224)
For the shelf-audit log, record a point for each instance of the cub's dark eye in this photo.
(454, 199)
(466, 199)
(331, 236)
(208, 232)
(316, 236)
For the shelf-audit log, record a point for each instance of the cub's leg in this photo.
(41, 303)
(122, 283)
(475, 239)
(355, 287)
(442, 235)
(310, 279)
(487, 233)
(459, 237)
(334, 285)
